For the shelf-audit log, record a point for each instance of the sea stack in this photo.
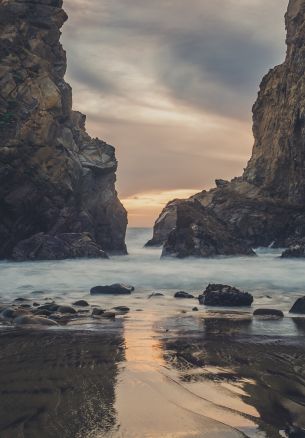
(55, 180)
(266, 205)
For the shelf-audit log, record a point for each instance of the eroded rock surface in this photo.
(267, 203)
(54, 178)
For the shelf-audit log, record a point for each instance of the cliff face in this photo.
(267, 203)
(277, 164)
(54, 178)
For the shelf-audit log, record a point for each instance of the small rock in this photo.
(156, 294)
(195, 309)
(299, 306)
(35, 304)
(123, 309)
(108, 315)
(225, 296)
(113, 289)
(182, 294)
(97, 312)
(20, 300)
(42, 312)
(81, 303)
(52, 307)
(66, 309)
(25, 306)
(269, 313)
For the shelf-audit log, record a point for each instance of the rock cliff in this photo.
(54, 178)
(267, 203)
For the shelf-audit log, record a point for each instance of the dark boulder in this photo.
(269, 313)
(299, 306)
(51, 307)
(81, 303)
(294, 251)
(225, 296)
(182, 294)
(195, 309)
(57, 247)
(113, 289)
(66, 309)
(97, 312)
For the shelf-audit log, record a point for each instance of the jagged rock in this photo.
(54, 178)
(265, 204)
(269, 313)
(182, 294)
(81, 303)
(225, 296)
(294, 251)
(113, 289)
(62, 246)
(299, 306)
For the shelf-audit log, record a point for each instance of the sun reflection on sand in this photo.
(152, 401)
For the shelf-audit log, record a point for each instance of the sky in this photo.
(171, 84)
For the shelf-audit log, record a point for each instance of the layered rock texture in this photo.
(266, 205)
(54, 178)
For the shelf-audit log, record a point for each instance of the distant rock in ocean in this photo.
(267, 203)
(54, 178)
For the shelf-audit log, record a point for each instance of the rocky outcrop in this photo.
(294, 251)
(267, 203)
(54, 178)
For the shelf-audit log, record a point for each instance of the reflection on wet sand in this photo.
(58, 384)
(177, 376)
(262, 379)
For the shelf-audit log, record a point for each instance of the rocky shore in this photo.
(264, 206)
(57, 184)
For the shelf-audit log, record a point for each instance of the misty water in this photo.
(161, 370)
(143, 268)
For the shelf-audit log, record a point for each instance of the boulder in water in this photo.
(113, 289)
(269, 313)
(225, 296)
(182, 294)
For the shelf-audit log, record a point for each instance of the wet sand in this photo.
(152, 375)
